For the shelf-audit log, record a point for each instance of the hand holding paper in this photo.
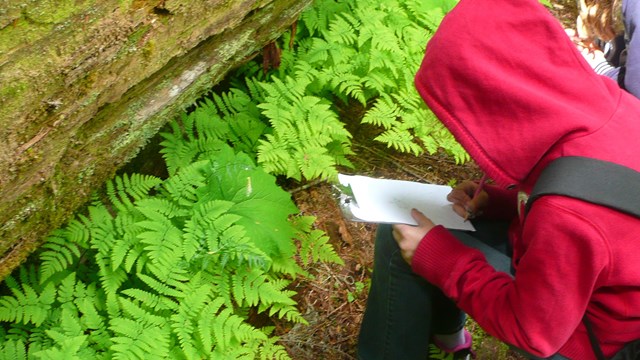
(391, 201)
(409, 237)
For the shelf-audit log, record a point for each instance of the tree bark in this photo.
(85, 84)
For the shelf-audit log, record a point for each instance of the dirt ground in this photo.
(333, 302)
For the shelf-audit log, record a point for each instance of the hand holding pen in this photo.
(468, 198)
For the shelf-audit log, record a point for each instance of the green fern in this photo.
(371, 53)
(314, 244)
(165, 269)
(13, 350)
(305, 128)
(29, 303)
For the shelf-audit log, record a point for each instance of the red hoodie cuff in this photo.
(438, 255)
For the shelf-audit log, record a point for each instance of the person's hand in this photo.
(408, 236)
(463, 202)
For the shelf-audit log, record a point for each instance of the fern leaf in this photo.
(318, 52)
(67, 347)
(401, 140)
(66, 289)
(139, 340)
(315, 247)
(151, 300)
(70, 323)
(184, 321)
(110, 279)
(162, 242)
(342, 29)
(386, 61)
(124, 190)
(160, 287)
(384, 113)
(138, 313)
(13, 350)
(229, 331)
(181, 186)
(274, 157)
(58, 255)
(26, 306)
(175, 150)
(270, 350)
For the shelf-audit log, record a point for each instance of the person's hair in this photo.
(601, 18)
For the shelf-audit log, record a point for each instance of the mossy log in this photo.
(85, 84)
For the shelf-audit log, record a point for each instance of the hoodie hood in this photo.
(506, 80)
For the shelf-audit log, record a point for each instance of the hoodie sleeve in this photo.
(538, 309)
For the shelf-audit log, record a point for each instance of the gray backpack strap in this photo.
(595, 181)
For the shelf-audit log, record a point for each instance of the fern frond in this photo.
(401, 140)
(228, 242)
(378, 82)
(384, 113)
(67, 347)
(274, 157)
(66, 289)
(26, 305)
(230, 332)
(271, 351)
(184, 320)
(181, 187)
(110, 279)
(279, 302)
(13, 350)
(315, 247)
(162, 242)
(351, 85)
(342, 29)
(151, 300)
(318, 52)
(139, 340)
(316, 18)
(256, 92)
(302, 128)
(58, 255)
(160, 287)
(138, 313)
(70, 322)
(175, 150)
(124, 190)
(387, 62)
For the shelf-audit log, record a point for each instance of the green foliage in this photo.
(369, 52)
(166, 269)
(345, 51)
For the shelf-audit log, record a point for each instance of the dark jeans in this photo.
(404, 311)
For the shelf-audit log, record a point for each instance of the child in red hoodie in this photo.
(513, 89)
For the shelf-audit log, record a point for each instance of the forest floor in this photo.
(333, 301)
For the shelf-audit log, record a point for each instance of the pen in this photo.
(470, 215)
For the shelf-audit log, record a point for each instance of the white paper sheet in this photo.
(391, 201)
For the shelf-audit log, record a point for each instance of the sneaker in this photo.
(460, 352)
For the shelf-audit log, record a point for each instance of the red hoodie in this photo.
(510, 85)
